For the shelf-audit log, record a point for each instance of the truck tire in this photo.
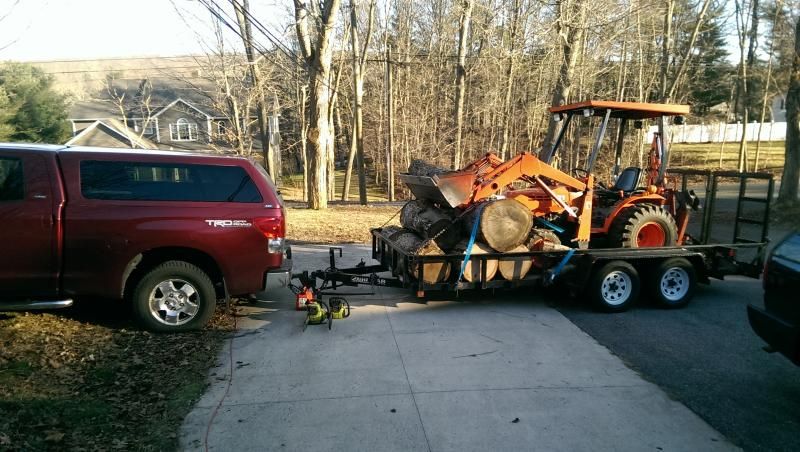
(174, 296)
(614, 287)
(673, 282)
(641, 226)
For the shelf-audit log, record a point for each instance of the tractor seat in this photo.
(626, 183)
(628, 180)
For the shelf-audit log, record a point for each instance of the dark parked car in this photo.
(779, 322)
(171, 232)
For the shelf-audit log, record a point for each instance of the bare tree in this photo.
(317, 53)
(243, 17)
(359, 70)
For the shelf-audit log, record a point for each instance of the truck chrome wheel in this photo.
(674, 284)
(616, 288)
(174, 302)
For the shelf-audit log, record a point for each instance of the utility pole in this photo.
(390, 118)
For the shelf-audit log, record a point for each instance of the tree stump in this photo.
(514, 268)
(504, 224)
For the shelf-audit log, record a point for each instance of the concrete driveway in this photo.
(497, 373)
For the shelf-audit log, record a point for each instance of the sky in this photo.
(36, 30)
(46, 30)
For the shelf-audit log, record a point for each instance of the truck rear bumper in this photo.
(780, 335)
(277, 278)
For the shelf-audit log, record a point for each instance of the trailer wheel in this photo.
(614, 287)
(673, 282)
(642, 226)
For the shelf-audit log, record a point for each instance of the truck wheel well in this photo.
(144, 262)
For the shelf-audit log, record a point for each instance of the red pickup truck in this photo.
(172, 232)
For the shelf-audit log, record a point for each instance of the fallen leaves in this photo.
(69, 383)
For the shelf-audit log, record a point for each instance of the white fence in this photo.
(718, 132)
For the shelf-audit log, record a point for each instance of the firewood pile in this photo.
(503, 226)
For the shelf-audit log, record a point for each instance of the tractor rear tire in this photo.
(643, 226)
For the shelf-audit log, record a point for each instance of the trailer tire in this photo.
(673, 282)
(643, 225)
(614, 287)
(179, 286)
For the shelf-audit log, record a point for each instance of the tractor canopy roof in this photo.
(623, 110)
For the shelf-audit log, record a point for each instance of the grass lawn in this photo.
(292, 188)
(85, 378)
(706, 155)
(338, 223)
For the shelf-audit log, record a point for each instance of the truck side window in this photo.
(11, 180)
(137, 181)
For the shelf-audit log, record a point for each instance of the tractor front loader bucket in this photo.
(453, 188)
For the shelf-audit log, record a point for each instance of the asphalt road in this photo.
(707, 357)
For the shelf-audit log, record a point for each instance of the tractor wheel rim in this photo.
(651, 234)
(674, 284)
(616, 288)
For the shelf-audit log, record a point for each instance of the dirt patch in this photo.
(68, 382)
(338, 224)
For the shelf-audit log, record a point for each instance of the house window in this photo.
(150, 127)
(183, 130)
(222, 130)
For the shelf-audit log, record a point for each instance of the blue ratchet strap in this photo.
(560, 266)
(471, 242)
(550, 225)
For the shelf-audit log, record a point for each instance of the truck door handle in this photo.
(39, 196)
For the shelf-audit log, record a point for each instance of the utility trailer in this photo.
(612, 278)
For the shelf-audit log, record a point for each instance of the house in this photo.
(158, 113)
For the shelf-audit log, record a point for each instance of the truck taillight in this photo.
(274, 229)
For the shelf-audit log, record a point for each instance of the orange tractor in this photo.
(640, 209)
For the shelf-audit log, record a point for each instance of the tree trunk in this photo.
(318, 63)
(430, 221)
(461, 77)
(514, 268)
(790, 180)
(242, 8)
(413, 244)
(765, 97)
(472, 270)
(359, 60)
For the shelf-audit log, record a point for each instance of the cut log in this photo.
(422, 168)
(472, 271)
(412, 244)
(504, 224)
(514, 268)
(430, 221)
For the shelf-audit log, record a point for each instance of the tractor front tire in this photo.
(643, 226)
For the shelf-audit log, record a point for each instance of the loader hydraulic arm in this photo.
(525, 167)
